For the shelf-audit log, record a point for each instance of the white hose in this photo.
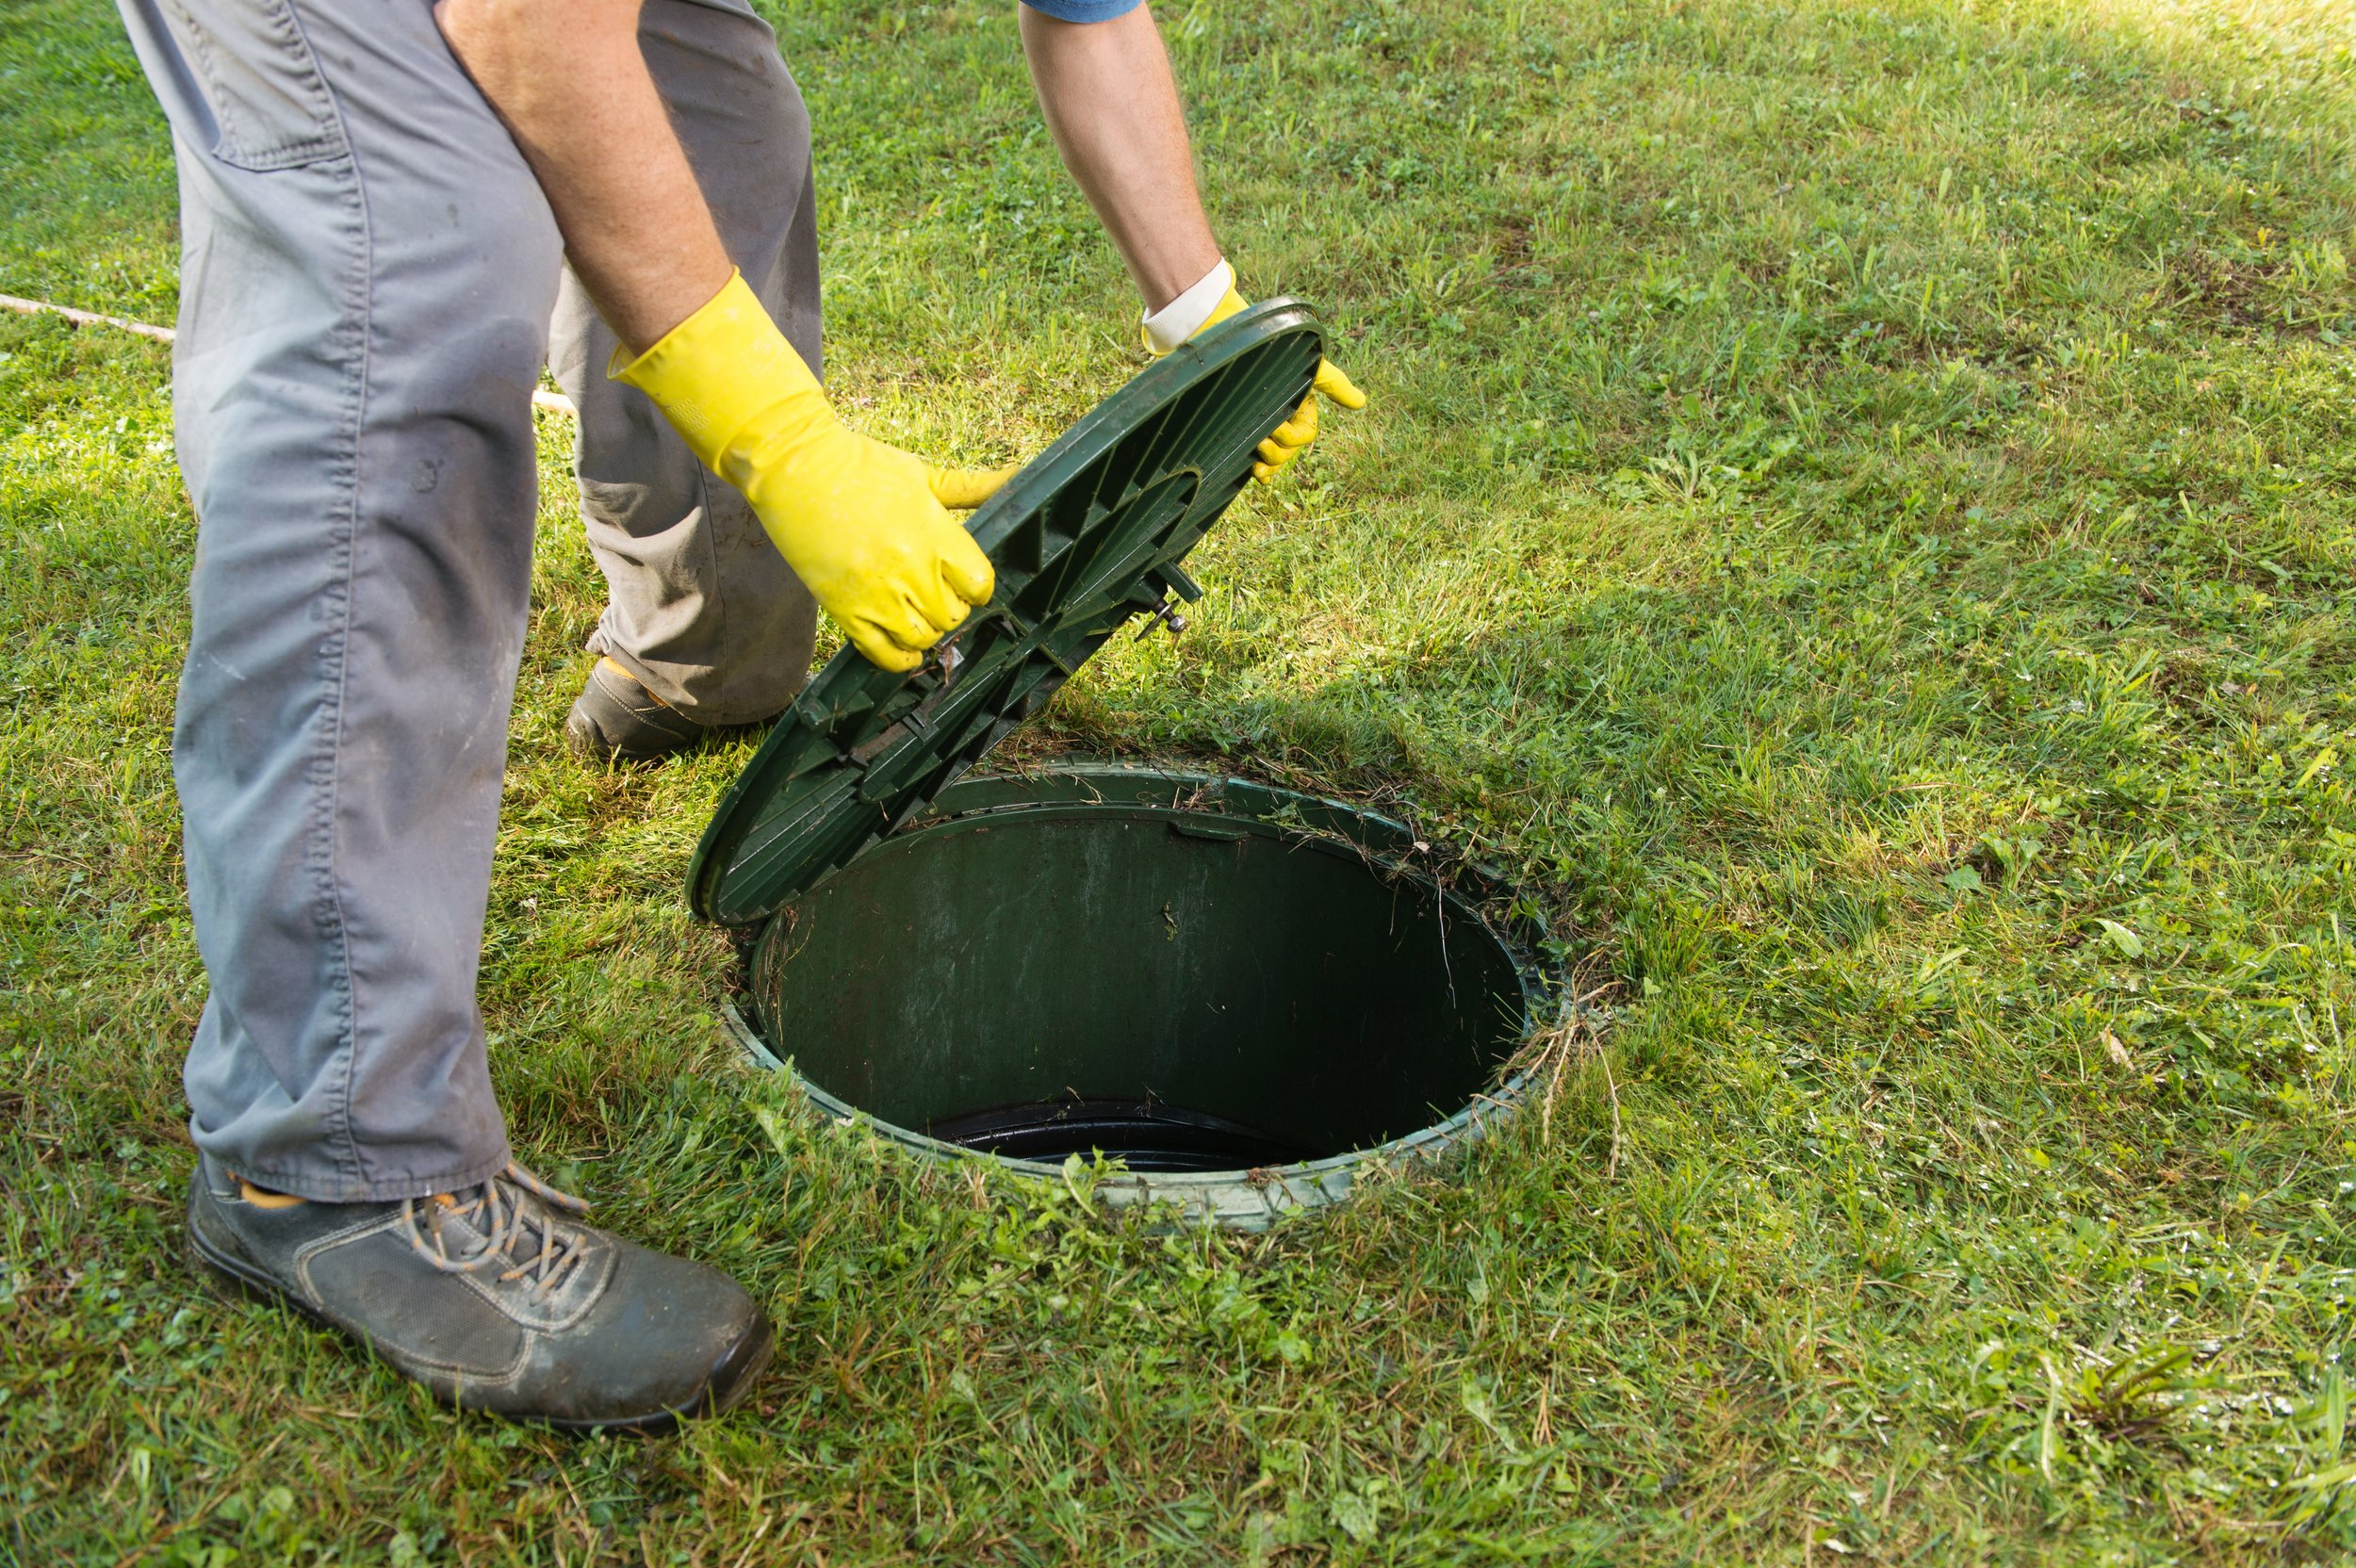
(541, 398)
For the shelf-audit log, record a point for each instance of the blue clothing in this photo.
(1083, 10)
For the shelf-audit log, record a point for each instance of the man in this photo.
(393, 214)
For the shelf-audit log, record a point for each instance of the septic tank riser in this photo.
(1231, 1201)
(1153, 935)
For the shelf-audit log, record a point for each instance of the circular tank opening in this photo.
(1210, 980)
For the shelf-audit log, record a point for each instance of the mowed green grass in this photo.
(1858, 513)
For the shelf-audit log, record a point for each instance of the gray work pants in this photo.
(370, 282)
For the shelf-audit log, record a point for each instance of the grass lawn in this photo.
(1859, 511)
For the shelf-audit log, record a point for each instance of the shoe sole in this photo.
(597, 752)
(731, 1378)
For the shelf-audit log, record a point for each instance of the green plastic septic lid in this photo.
(1090, 534)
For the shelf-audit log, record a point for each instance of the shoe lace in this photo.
(511, 1205)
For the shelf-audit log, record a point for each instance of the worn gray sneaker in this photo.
(616, 719)
(495, 1299)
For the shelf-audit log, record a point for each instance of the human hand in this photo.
(863, 524)
(1291, 438)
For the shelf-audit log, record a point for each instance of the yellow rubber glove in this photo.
(1291, 438)
(864, 525)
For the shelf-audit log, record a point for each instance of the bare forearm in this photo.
(1112, 103)
(567, 77)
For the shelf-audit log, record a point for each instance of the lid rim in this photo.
(1089, 535)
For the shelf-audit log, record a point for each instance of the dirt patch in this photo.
(2199, 283)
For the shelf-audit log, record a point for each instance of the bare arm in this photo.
(1110, 100)
(567, 77)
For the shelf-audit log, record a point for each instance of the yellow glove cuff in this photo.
(726, 370)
